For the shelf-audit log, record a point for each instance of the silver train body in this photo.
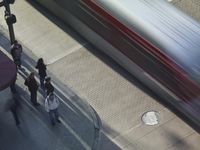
(151, 39)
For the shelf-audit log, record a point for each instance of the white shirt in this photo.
(51, 104)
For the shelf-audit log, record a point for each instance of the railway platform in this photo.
(87, 76)
(77, 130)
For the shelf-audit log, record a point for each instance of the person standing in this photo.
(12, 86)
(41, 71)
(51, 106)
(16, 51)
(12, 105)
(48, 86)
(32, 87)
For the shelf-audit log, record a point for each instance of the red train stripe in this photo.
(149, 47)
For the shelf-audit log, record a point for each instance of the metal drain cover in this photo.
(150, 118)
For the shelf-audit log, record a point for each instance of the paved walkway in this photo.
(190, 7)
(76, 132)
(116, 96)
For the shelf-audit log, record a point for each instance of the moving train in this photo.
(154, 41)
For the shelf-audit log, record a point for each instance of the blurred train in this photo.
(151, 39)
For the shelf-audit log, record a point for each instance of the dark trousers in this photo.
(33, 97)
(42, 82)
(14, 113)
(53, 114)
(12, 88)
(18, 62)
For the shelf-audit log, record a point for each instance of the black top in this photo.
(49, 87)
(31, 83)
(41, 69)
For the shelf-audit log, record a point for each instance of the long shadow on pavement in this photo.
(77, 129)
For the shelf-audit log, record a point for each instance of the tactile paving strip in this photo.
(112, 96)
(190, 7)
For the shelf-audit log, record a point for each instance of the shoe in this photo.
(36, 104)
(58, 121)
(19, 67)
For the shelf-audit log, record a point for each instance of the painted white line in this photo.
(75, 104)
(84, 144)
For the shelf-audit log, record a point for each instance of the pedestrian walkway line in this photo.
(75, 104)
(5, 52)
(70, 94)
(121, 137)
(69, 97)
(28, 67)
(44, 123)
(65, 53)
(84, 144)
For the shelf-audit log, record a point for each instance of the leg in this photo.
(34, 98)
(12, 88)
(56, 115)
(51, 116)
(42, 82)
(18, 63)
(14, 112)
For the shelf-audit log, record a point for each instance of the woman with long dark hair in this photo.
(41, 71)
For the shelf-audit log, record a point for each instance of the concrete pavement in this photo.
(117, 97)
(77, 131)
(191, 7)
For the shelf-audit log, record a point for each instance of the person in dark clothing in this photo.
(12, 105)
(16, 51)
(32, 87)
(48, 86)
(12, 86)
(41, 71)
(14, 108)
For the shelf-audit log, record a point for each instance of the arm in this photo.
(57, 101)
